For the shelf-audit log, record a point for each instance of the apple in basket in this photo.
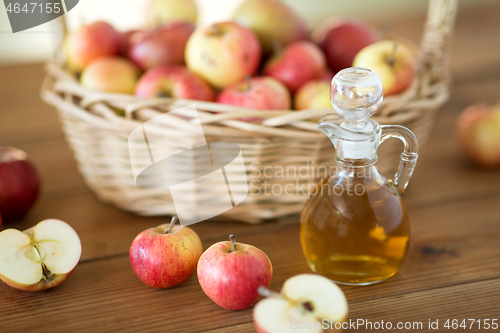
(90, 42)
(313, 95)
(19, 183)
(173, 81)
(165, 256)
(341, 39)
(160, 47)
(230, 273)
(273, 21)
(126, 38)
(479, 134)
(307, 302)
(299, 63)
(161, 12)
(223, 53)
(392, 61)
(111, 74)
(39, 258)
(264, 93)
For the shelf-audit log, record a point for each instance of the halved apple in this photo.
(39, 258)
(307, 302)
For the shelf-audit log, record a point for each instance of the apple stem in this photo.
(216, 31)
(392, 57)
(233, 242)
(172, 222)
(265, 292)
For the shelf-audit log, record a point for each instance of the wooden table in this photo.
(452, 270)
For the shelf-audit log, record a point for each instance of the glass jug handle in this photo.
(408, 157)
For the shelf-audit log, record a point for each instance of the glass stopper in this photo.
(356, 93)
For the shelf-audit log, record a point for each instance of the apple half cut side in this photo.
(39, 258)
(307, 302)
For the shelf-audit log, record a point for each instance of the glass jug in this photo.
(354, 229)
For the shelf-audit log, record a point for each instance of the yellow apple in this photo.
(223, 53)
(111, 74)
(392, 61)
(161, 12)
(313, 95)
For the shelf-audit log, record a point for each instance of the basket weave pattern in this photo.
(283, 140)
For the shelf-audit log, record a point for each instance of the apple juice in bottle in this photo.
(354, 227)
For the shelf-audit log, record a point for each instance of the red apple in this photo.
(313, 95)
(90, 42)
(19, 183)
(341, 40)
(273, 21)
(263, 93)
(173, 81)
(327, 75)
(39, 258)
(161, 12)
(126, 38)
(223, 53)
(392, 61)
(304, 301)
(161, 47)
(230, 274)
(297, 64)
(479, 134)
(111, 74)
(165, 256)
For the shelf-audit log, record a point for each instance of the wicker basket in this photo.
(284, 140)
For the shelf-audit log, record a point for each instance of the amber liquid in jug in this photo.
(354, 227)
(355, 235)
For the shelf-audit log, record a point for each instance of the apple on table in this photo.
(173, 81)
(478, 131)
(392, 61)
(90, 42)
(273, 21)
(162, 46)
(39, 258)
(165, 256)
(223, 53)
(299, 63)
(19, 183)
(230, 273)
(308, 302)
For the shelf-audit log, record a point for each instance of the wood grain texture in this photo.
(451, 271)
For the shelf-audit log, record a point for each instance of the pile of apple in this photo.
(264, 58)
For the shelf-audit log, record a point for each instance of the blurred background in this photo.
(36, 44)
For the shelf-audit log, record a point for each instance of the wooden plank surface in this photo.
(452, 269)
